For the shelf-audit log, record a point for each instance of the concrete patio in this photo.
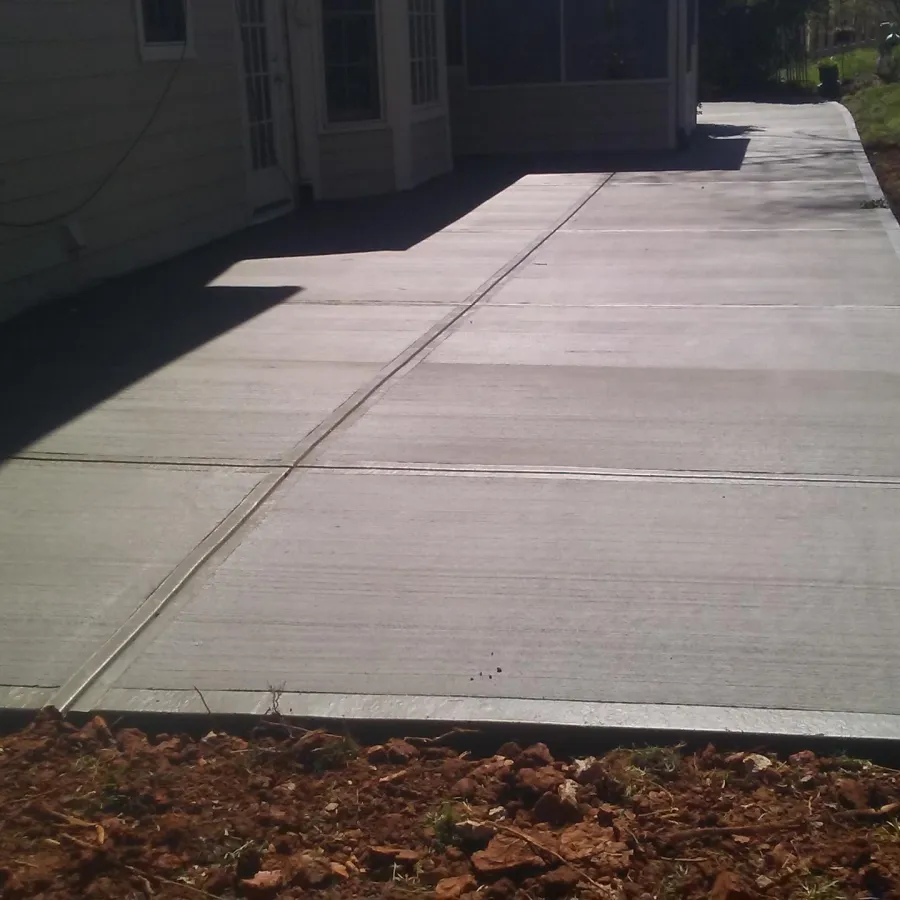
(609, 442)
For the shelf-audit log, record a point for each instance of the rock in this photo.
(263, 885)
(310, 872)
(534, 757)
(496, 767)
(588, 841)
(538, 781)
(464, 788)
(380, 856)
(400, 752)
(560, 881)
(377, 755)
(728, 887)
(248, 863)
(803, 758)
(501, 889)
(559, 807)
(764, 882)
(218, 881)
(853, 794)
(454, 888)
(98, 730)
(505, 855)
(756, 762)
(606, 814)
(339, 871)
(475, 833)
(132, 741)
(511, 750)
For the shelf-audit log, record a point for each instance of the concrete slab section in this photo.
(801, 268)
(790, 339)
(249, 395)
(707, 592)
(656, 419)
(82, 545)
(715, 206)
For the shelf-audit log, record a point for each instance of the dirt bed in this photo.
(289, 813)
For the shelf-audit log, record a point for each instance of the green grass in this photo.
(852, 65)
(877, 113)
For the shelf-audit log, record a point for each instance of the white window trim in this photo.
(326, 125)
(165, 52)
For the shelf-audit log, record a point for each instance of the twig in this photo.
(441, 738)
(882, 812)
(202, 698)
(689, 834)
(522, 836)
(146, 876)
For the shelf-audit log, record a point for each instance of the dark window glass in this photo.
(612, 39)
(350, 42)
(454, 27)
(164, 21)
(692, 33)
(513, 41)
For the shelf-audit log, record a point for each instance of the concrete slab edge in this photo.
(151, 608)
(361, 709)
(888, 221)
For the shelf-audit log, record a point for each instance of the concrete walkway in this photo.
(611, 443)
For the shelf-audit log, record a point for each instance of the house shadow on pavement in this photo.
(61, 359)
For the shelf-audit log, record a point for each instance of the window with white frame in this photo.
(163, 28)
(565, 41)
(350, 41)
(423, 50)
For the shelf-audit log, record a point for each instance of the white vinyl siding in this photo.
(74, 94)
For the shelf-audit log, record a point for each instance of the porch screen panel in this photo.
(513, 42)
(616, 39)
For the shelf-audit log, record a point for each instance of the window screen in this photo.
(513, 41)
(616, 39)
(350, 37)
(164, 21)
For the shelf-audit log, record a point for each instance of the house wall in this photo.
(559, 117)
(356, 162)
(74, 94)
(431, 153)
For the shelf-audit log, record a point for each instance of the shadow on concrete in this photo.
(63, 358)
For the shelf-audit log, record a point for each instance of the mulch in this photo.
(94, 812)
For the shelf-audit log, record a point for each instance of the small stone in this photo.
(464, 788)
(501, 889)
(505, 855)
(400, 752)
(559, 807)
(339, 871)
(454, 888)
(756, 762)
(764, 882)
(560, 881)
(535, 756)
(263, 885)
(539, 781)
(510, 750)
(803, 758)
(728, 887)
(377, 755)
(310, 872)
(852, 794)
(475, 833)
(606, 814)
(218, 881)
(331, 807)
(391, 855)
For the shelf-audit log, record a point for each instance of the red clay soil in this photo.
(92, 813)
